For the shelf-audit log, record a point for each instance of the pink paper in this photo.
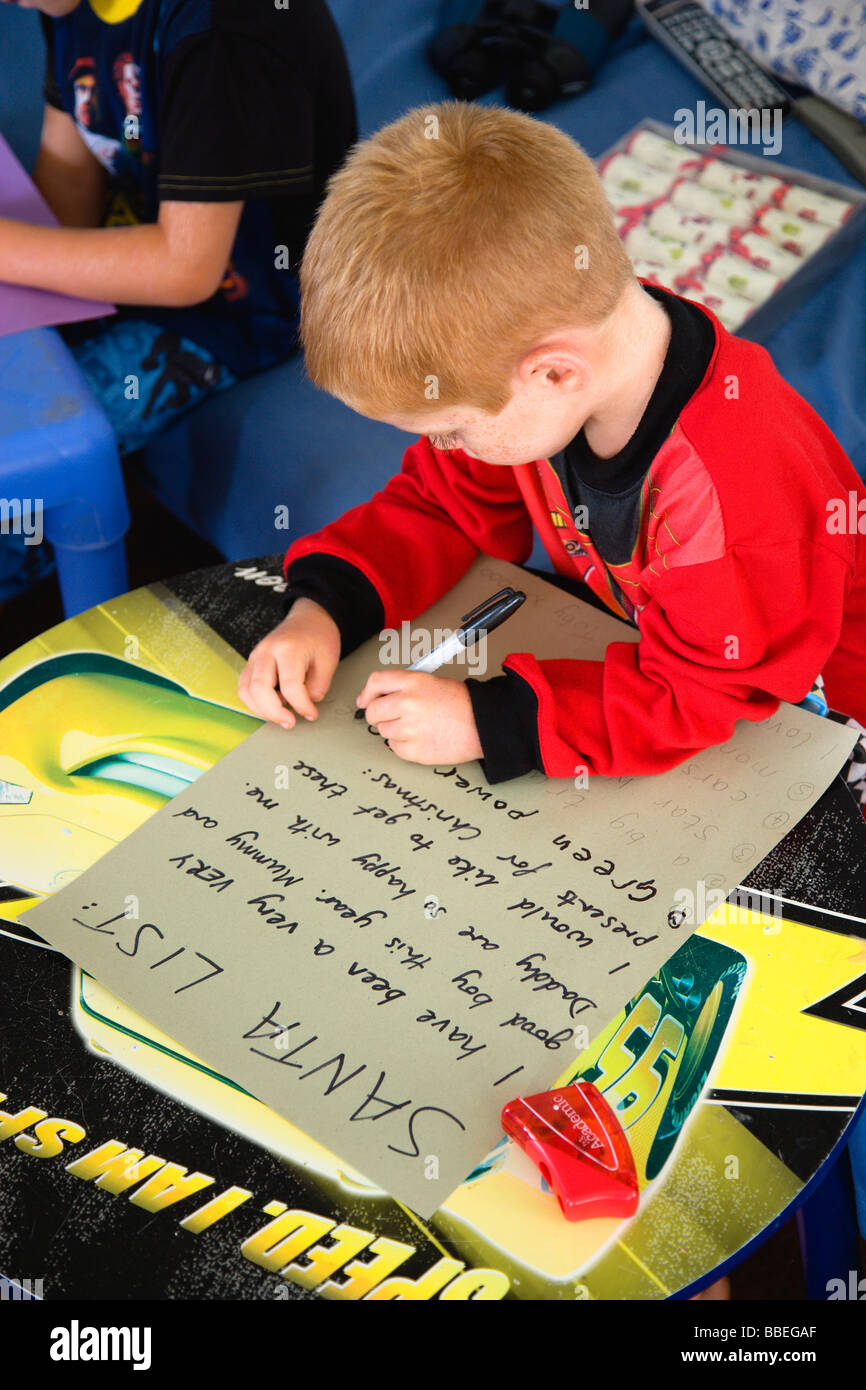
(21, 307)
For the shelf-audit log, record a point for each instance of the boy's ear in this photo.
(556, 364)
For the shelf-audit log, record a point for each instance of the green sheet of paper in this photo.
(387, 953)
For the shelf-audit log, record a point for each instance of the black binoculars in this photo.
(541, 51)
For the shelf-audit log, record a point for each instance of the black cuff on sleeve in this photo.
(343, 591)
(506, 717)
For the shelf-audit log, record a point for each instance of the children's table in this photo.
(740, 1127)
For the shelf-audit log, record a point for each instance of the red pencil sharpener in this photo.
(580, 1147)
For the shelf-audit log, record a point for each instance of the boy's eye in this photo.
(443, 441)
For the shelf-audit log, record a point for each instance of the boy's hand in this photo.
(300, 657)
(426, 719)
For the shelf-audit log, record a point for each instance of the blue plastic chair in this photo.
(857, 1151)
(827, 1220)
(58, 455)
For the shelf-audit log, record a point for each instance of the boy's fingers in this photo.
(391, 728)
(385, 707)
(319, 679)
(296, 696)
(262, 696)
(381, 683)
(402, 748)
(245, 677)
(294, 691)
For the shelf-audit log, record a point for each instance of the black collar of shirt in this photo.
(691, 346)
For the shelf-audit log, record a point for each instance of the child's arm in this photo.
(648, 705)
(177, 261)
(413, 540)
(71, 179)
(381, 562)
(720, 641)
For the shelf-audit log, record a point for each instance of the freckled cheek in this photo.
(511, 454)
(501, 449)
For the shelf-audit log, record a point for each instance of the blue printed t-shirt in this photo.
(213, 101)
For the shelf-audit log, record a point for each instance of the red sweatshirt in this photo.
(743, 583)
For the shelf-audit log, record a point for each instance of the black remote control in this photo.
(701, 44)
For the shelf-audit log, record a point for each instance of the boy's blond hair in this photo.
(450, 244)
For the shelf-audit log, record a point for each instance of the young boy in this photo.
(464, 280)
(185, 148)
